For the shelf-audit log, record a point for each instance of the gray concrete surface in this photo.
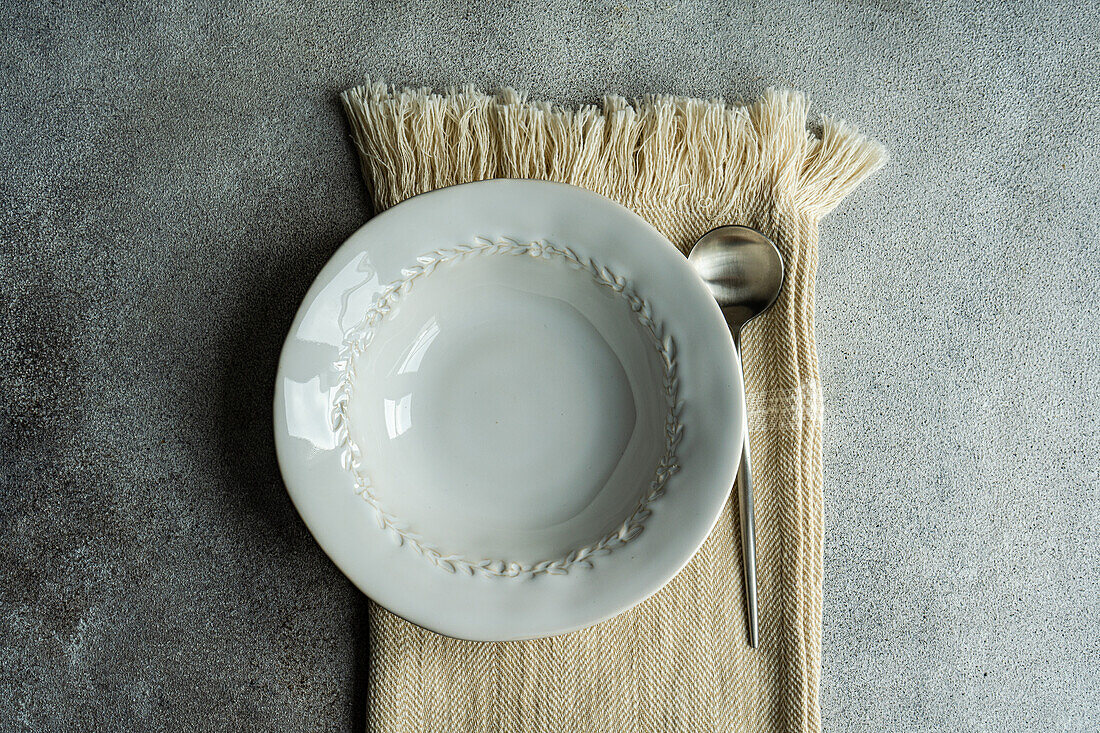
(175, 173)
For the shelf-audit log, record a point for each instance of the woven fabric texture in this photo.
(679, 661)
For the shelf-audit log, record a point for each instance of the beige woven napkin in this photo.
(679, 661)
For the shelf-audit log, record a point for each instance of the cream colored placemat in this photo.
(679, 661)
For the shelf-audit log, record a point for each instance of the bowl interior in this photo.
(509, 408)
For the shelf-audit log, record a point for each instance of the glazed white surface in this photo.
(508, 409)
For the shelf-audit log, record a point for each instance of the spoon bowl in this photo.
(742, 269)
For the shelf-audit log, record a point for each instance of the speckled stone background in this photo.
(175, 173)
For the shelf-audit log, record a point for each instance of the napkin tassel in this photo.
(656, 154)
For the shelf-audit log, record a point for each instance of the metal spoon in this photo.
(744, 272)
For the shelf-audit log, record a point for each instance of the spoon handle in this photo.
(748, 527)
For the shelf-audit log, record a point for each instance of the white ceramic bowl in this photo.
(508, 409)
